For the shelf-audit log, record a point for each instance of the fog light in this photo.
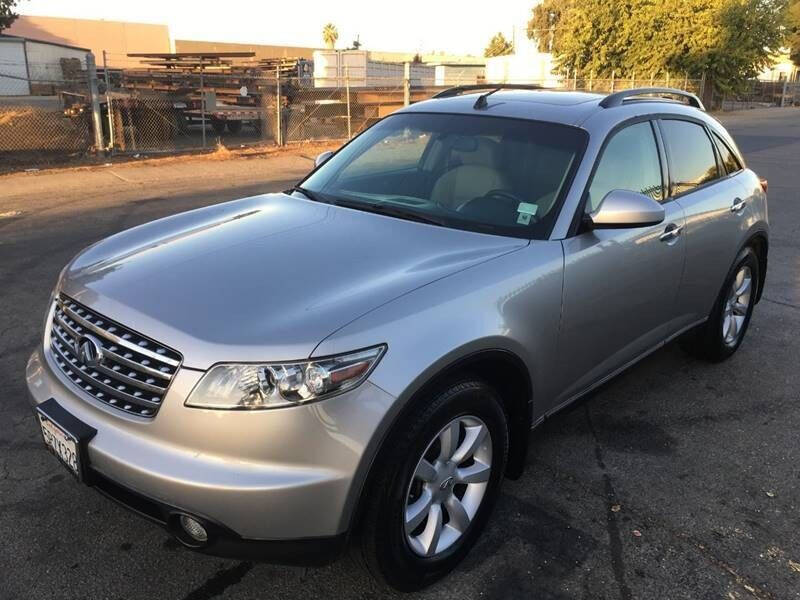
(194, 529)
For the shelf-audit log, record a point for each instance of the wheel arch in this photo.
(758, 240)
(501, 369)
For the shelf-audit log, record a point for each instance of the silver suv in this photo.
(363, 356)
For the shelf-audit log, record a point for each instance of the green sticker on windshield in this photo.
(524, 219)
(527, 208)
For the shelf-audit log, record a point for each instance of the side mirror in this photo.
(622, 209)
(321, 158)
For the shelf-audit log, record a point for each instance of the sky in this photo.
(462, 27)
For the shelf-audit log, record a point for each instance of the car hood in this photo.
(264, 278)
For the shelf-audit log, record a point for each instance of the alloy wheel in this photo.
(737, 306)
(448, 486)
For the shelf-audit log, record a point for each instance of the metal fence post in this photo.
(109, 111)
(406, 84)
(97, 124)
(783, 93)
(278, 123)
(613, 75)
(703, 95)
(347, 92)
(202, 103)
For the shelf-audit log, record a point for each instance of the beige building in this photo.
(115, 37)
(261, 50)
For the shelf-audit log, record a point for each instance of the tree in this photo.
(793, 30)
(728, 40)
(330, 35)
(7, 14)
(543, 26)
(498, 46)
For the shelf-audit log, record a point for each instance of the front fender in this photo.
(511, 303)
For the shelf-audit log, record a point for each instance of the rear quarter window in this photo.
(729, 160)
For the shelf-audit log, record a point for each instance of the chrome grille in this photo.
(133, 372)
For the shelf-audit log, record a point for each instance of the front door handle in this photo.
(671, 232)
(738, 205)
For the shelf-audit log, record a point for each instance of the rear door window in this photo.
(692, 159)
(629, 162)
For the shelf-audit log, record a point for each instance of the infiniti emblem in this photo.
(90, 352)
(446, 483)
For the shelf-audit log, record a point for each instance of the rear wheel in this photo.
(435, 486)
(234, 126)
(720, 336)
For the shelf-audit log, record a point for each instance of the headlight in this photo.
(272, 385)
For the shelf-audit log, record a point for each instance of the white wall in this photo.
(782, 68)
(44, 61)
(525, 65)
(13, 72)
(331, 67)
(458, 75)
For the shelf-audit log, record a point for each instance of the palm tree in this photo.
(329, 35)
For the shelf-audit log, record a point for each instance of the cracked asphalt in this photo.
(678, 480)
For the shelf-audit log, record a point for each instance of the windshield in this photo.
(490, 174)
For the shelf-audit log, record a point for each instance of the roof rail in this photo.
(618, 98)
(460, 89)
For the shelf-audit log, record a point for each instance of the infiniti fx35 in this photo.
(358, 361)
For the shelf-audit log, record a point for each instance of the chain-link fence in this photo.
(138, 111)
(38, 122)
(236, 111)
(274, 110)
(759, 94)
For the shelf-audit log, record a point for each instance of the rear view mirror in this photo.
(321, 158)
(622, 208)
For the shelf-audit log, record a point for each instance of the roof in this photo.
(569, 108)
(564, 107)
(16, 38)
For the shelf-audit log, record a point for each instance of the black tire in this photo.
(234, 126)
(383, 547)
(218, 126)
(708, 340)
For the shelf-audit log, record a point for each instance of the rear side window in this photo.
(729, 160)
(629, 162)
(691, 155)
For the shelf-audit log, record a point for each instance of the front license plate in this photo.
(65, 436)
(61, 443)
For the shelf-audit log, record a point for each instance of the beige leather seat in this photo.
(474, 177)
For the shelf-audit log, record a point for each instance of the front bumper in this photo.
(283, 474)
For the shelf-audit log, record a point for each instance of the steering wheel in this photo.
(509, 202)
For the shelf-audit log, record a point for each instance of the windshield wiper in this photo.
(392, 210)
(309, 194)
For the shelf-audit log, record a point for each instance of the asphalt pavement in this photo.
(678, 480)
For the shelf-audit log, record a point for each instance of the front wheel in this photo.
(720, 336)
(435, 486)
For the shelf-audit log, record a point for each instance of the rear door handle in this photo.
(671, 232)
(738, 205)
